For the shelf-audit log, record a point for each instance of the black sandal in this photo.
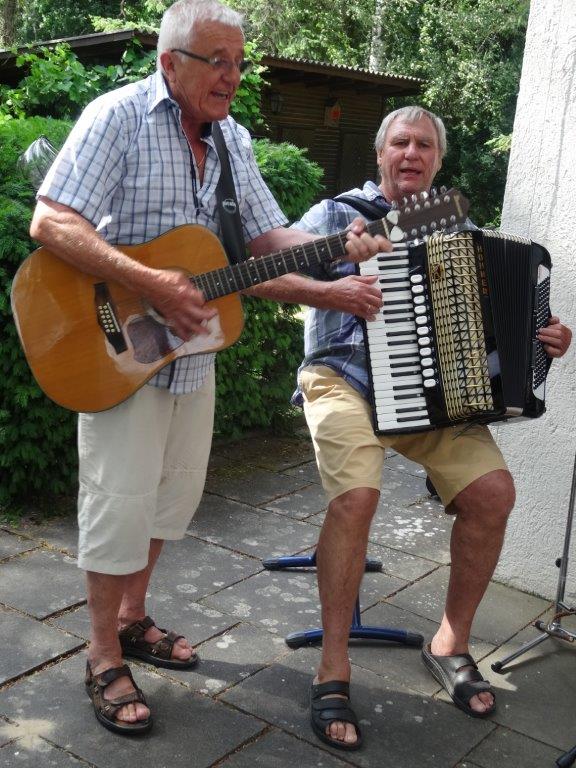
(107, 709)
(460, 678)
(159, 653)
(324, 711)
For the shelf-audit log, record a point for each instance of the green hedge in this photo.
(37, 439)
(255, 377)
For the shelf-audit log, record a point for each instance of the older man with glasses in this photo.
(140, 161)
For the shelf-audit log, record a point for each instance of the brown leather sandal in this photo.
(107, 709)
(159, 653)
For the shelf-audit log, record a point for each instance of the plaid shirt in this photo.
(128, 169)
(332, 338)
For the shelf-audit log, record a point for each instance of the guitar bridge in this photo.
(107, 319)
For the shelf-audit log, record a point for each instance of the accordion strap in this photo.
(227, 203)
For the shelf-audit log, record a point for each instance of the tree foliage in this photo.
(38, 20)
(336, 31)
(469, 52)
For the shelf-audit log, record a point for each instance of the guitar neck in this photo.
(300, 258)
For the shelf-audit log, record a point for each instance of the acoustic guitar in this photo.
(91, 344)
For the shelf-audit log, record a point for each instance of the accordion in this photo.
(456, 339)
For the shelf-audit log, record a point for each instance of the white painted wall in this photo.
(540, 203)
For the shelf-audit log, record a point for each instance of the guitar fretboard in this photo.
(238, 277)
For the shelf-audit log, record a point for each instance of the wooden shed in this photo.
(333, 111)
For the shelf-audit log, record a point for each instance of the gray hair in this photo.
(178, 21)
(411, 115)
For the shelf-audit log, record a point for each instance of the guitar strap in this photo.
(227, 203)
(369, 210)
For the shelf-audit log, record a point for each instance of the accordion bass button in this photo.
(428, 383)
(416, 289)
(419, 309)
(419, 299)
(423, 341)
(422, 331)
(425, 352)
(427, 362)
(421, 320)
(428, 373)
(415, 279)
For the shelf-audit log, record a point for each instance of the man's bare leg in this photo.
(133, 604)
(482, 510)
(341, 556)
(104, 597)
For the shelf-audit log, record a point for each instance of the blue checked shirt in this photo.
(128, 169)
(332, 338)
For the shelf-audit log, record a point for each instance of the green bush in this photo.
(294, 180)
(255, 377)
(37, 438)
(55, 83)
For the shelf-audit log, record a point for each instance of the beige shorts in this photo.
(350, 455)
(142, 471)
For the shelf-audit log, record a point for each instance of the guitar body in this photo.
(92, 344)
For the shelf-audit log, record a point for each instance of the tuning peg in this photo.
(443, 190)
(424, 195)
(433, 192)
(393, 216)
(396, 235)
(394, 205)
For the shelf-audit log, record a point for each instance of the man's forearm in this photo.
(353, 294)
(293, 289)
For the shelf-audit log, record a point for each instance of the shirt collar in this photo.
(374, 193)
(159, 92)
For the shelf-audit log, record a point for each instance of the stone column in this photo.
(540, 203)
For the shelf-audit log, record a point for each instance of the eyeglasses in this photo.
(218, 64)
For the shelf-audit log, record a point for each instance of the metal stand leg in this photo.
(554, 628)
(357, 630)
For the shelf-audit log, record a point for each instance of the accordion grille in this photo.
(459, 331)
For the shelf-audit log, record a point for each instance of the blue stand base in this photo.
(357, 629)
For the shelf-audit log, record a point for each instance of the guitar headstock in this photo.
(422, 214)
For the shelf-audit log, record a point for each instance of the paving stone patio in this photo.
(246, 704)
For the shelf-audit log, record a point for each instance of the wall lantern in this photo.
(332, 113)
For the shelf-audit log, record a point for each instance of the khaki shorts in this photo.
(142, 471)
(350, 455)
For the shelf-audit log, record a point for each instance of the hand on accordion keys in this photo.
(556, 337)
(355, 294)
